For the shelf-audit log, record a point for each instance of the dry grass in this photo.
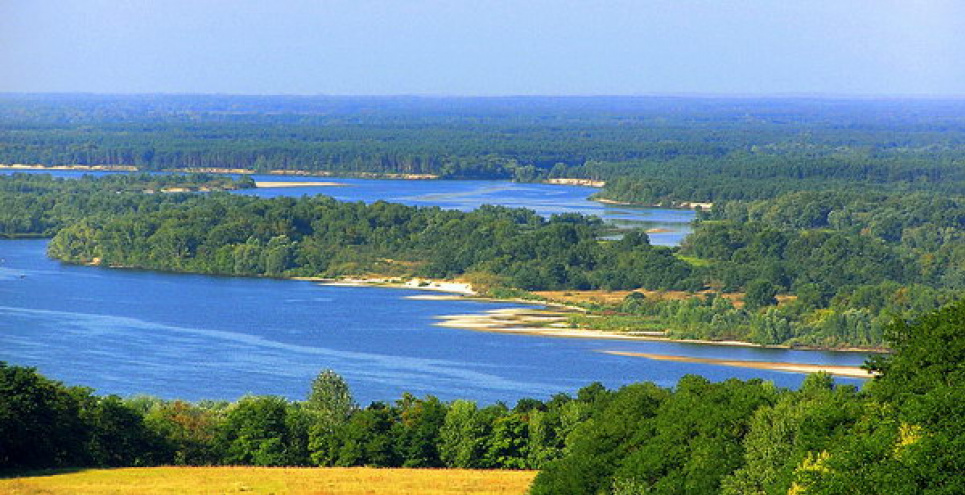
(317, 481)
(610, 297)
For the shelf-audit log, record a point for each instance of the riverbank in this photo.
(358, 175)
(553, 323)
(575, 182)
(549, 320)
(680, 205)
(463, 289)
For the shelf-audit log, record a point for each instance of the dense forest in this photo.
(39, 205)
(318, 236)
(649, 150)
(901, 434)
(846, 261)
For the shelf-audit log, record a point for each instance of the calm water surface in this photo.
(194, 337)
(545, 199)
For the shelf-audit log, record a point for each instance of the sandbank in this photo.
(414, 283)
(846, 371)
(575, 182)
(269, 184)
(680, 205)
(553, 322)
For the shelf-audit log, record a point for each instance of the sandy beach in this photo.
(452, 287)
(846, 371)
(680, 205)
(261, 184)
(575, 182)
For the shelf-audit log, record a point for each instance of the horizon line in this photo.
(681, 95)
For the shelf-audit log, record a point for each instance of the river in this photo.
(201, 337)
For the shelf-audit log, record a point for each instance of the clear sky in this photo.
(480, 47)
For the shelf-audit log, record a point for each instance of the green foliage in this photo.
(760, 293)
(40, 205)
(120, 437)
(330, 399)
(40, 423)
(260, 431)
(311, 236)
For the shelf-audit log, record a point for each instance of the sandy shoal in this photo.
(268, 184)
(452, 287)
(847, 371)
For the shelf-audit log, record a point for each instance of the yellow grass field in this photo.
(316, 481)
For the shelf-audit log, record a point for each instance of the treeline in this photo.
(318, 236)
(743, 175)
(650, 150)
(47, 425)
(34, 205)
(904, 433)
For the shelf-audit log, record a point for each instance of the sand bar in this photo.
(268, 184)
(847, 371)
(576, 182)
(454, 287)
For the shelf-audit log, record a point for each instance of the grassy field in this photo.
(218, 480)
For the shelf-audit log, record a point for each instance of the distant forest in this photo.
(649, 150)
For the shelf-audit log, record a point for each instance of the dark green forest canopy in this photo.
(41, 205)
(318, 236)
(650, 150)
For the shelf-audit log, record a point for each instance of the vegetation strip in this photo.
(849, 371)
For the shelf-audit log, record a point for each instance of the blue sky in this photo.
(435, 47)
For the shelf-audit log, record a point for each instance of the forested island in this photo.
(902, 433)
(843, 264)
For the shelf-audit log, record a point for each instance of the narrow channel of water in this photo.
(668, 226)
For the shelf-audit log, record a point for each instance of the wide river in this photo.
(200, 337)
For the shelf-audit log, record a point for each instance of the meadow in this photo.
(328, 481)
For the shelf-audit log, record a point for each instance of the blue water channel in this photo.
(202, 337)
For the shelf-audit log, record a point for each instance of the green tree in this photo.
(256, 432)
(330, 405)
(40, 423)
(760, 293)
